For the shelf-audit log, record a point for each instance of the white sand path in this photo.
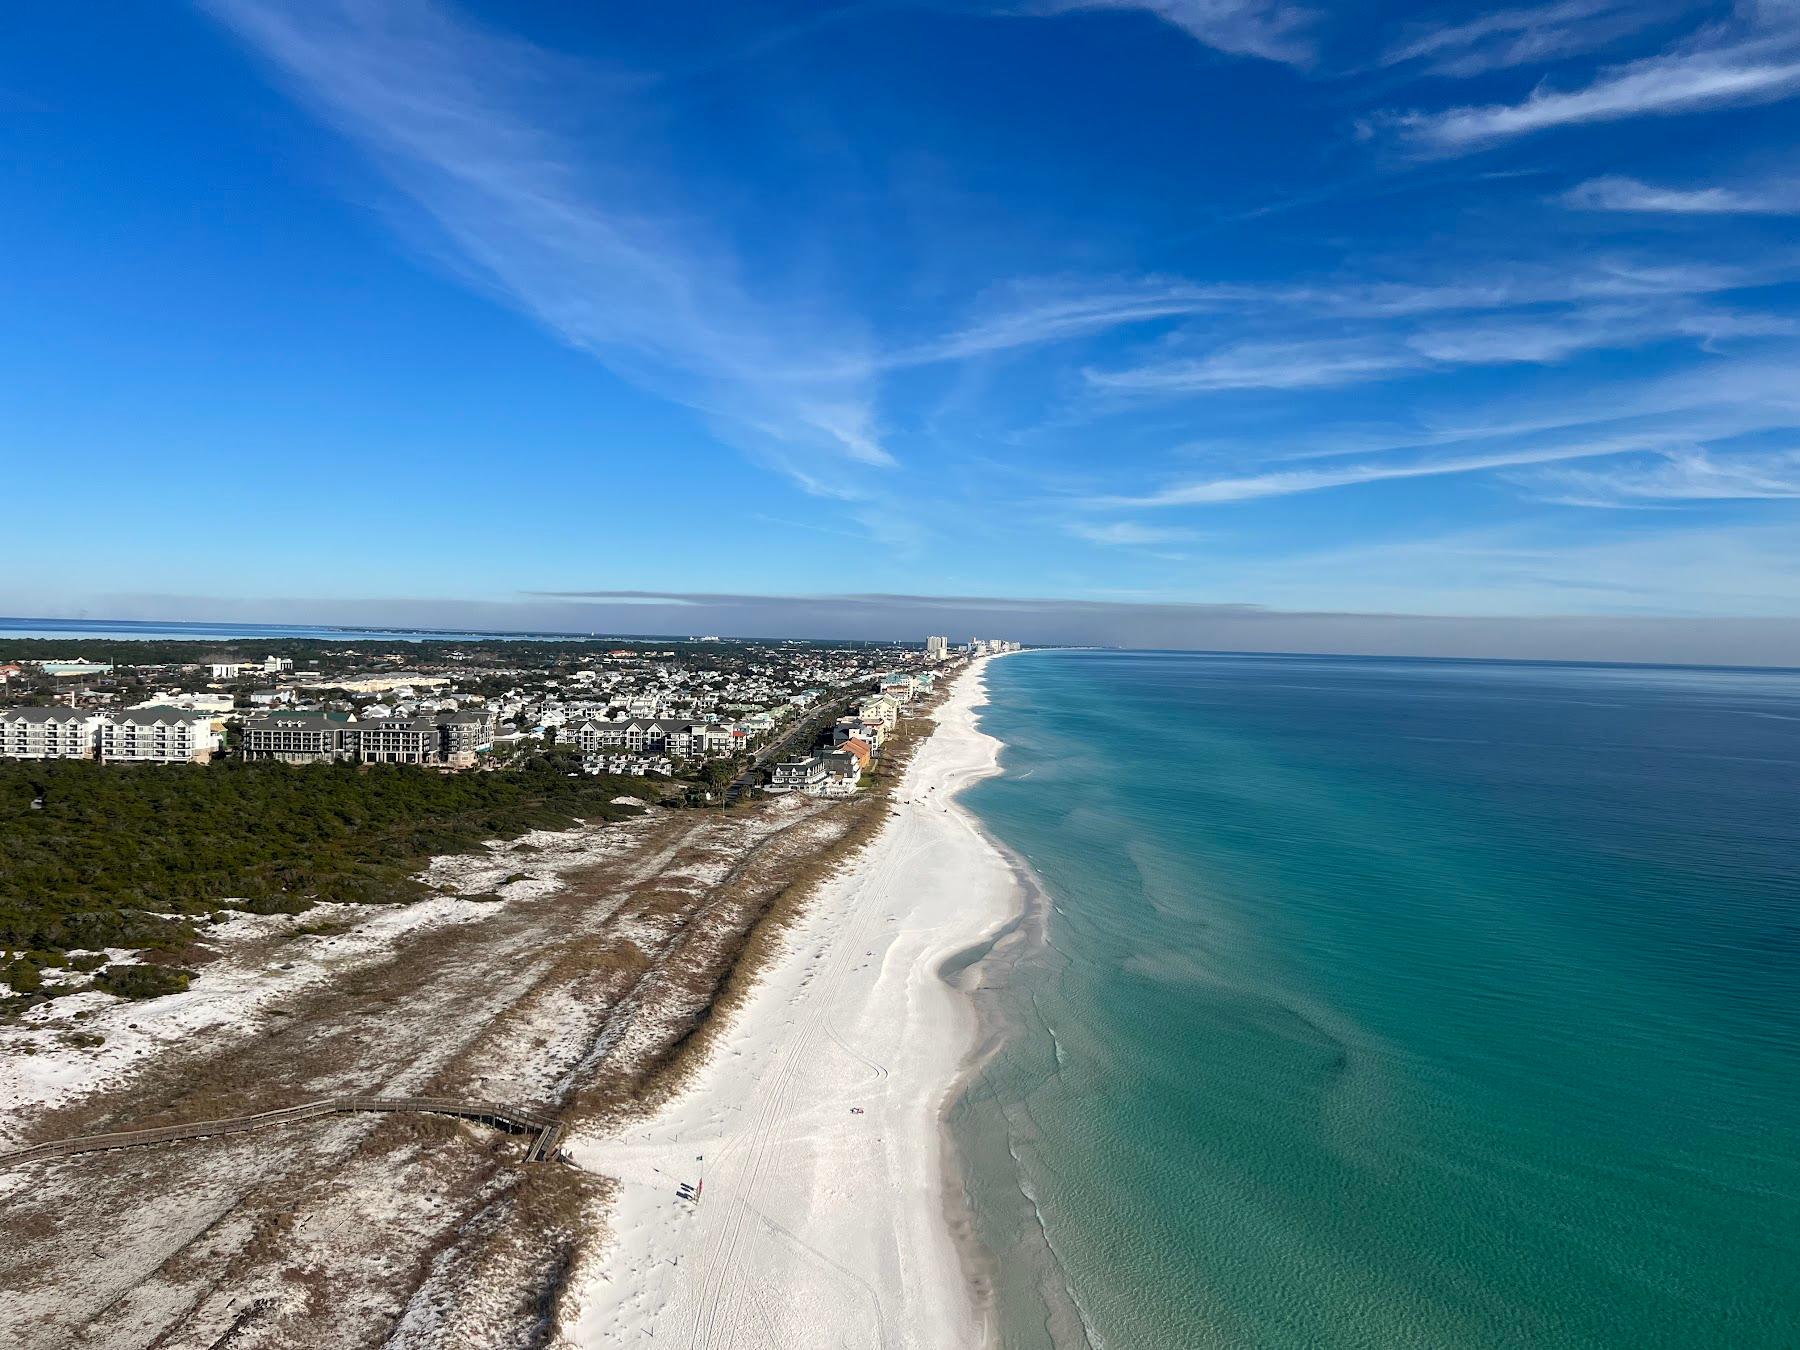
(821, 1225)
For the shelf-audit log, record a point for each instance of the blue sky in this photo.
(1421, 310)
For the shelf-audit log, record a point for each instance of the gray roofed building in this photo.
(49, 733)
(158, 736)
(295, 737)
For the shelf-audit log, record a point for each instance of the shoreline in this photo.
(983, 972)
(817, 1128)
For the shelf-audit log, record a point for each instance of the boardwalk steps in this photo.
(545, 1131)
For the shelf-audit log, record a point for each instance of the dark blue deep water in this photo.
(1394, 1004)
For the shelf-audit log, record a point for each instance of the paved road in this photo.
(800, 736)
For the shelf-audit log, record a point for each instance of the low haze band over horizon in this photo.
(1741, 641)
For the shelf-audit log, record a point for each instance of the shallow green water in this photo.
(1395, 1004)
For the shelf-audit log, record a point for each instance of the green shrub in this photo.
(142, 981)
(135, 856)
(276, 904)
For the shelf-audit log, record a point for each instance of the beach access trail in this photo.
(813, 1130)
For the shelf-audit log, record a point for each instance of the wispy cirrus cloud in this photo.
(1755, 59)
(1676, 477)
(1538, 338)
(1049, 310)
(1672, 440)
(1290, 482)
(1127, 533)
(1512, 37)
(1043, 311)
(1263, 365)
(1271, 29)
(1545, 338)
(578, 234)
(1631, 195)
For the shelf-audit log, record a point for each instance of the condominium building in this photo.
(937, 648)
(158, 736)
(463, 735)
(295, 737)
(310, 737)
(397, 740)
(49, 733)
(678, 740)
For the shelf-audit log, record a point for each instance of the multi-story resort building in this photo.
(677, 740)
(463, 735)
(311, 737)
(157, 736)
(295, 737)
(398, 740)
(49, 733)
(140, 735)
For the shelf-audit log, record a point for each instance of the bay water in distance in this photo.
(1392, 1004)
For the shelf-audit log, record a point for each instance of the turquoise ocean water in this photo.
(1393, 1004)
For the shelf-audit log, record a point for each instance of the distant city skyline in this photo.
(1431, 329)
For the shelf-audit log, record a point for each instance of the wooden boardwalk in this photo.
(545, 1131)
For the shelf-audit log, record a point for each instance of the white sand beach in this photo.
(822, 1220)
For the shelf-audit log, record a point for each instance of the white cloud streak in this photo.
(1032, 315)
(1127, 533)
(1653, 445)
(460, 121)
(1540, 338)
(1049, 311)
(1755, 60)
(1677, 477)
(1630, 195)
(1512, 37)
(1262, 365)
(1289, 482)
(1270, 29)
